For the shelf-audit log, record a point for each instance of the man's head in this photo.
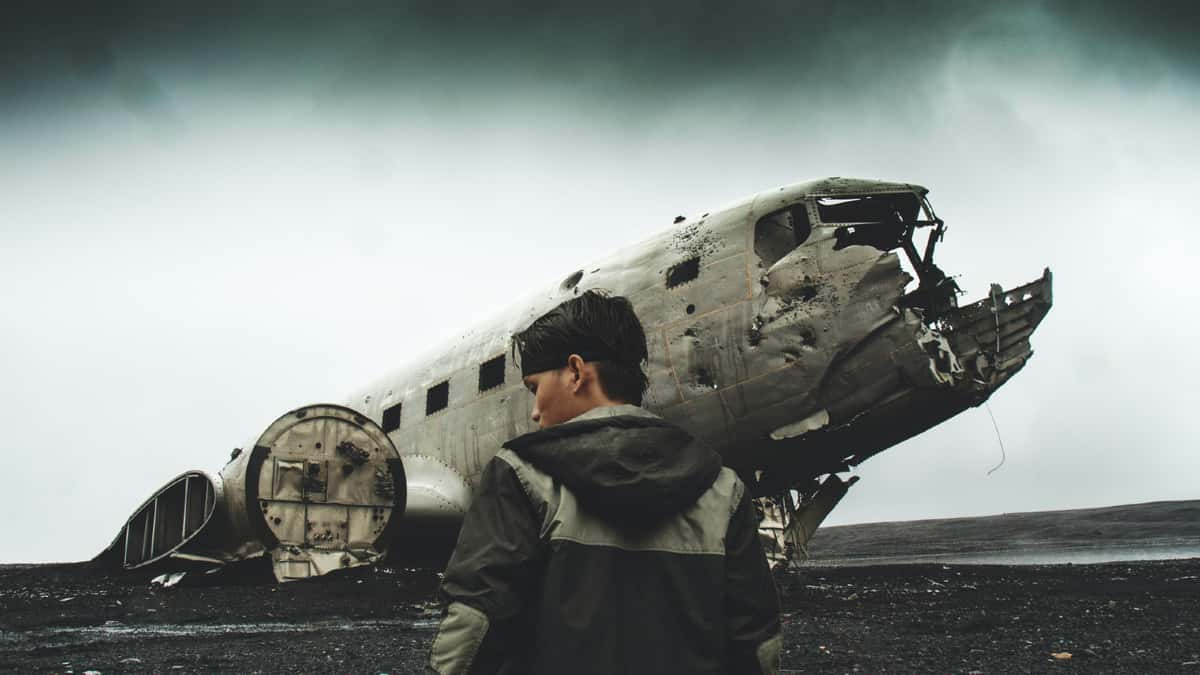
(584, 353)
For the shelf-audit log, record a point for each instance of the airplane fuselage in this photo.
(766, 320)
(783, 330)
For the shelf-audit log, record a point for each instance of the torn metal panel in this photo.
(907, 376)
(292, 563)
(991, 336)
(943, 362)
(811, 423)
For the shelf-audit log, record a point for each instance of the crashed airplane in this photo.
(799, 331)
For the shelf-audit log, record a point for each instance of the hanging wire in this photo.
(1003, 454)
(995, 291)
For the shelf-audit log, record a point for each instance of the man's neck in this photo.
(616, 408)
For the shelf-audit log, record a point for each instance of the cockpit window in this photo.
(777, 233)
(886, 208)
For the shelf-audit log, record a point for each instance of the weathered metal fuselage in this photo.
(782, 329)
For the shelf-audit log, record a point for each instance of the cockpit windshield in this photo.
(887, 222)
(883, 208)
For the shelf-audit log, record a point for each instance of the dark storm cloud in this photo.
(651, 49)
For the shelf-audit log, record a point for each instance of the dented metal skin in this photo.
(782, 329)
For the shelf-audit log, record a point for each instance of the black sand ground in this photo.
(1139, 617)
(1119, 617)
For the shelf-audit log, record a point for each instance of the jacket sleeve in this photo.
(490, 579)
(751, 600)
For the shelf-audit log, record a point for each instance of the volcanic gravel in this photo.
(1141, 617)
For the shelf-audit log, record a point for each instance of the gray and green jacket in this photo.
(612, 543)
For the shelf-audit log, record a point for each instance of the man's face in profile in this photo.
(553, 396)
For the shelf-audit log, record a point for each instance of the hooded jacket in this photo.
(611, 543)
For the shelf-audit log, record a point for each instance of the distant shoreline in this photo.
(1152, 526)
(1146, 531)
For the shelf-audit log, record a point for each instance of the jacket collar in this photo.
(605, 411)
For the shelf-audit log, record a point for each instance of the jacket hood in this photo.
(631, 468)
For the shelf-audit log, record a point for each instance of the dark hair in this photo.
(602, 329)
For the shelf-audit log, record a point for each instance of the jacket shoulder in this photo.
(730, 486)
(541, 488)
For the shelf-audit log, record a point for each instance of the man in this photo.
(609, 541)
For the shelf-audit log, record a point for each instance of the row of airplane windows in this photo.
(437, 397)
(491, 372)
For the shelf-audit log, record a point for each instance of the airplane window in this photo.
(491, 373)
(391, 419)
(776, 234)
(437, 398)
(683, 272)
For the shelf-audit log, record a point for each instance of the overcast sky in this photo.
(208, 219)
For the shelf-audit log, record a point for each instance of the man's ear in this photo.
(576, 372)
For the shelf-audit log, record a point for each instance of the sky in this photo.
(209, 217)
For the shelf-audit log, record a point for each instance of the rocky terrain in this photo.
(1119, 617)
